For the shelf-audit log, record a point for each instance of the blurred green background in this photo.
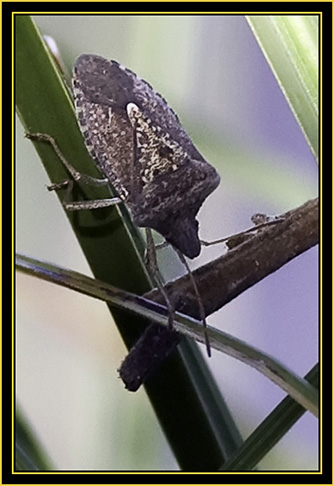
(214, 75)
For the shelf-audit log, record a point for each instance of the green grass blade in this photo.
(113, 247)
(296, 387)
(290, 45)
(270, 431)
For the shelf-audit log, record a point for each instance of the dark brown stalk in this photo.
(223, 279)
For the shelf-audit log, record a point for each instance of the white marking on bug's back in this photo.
(131, 108)
(110, 115)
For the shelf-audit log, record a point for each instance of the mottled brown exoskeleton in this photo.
(138, 143)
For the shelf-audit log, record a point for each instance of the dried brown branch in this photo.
(259, 255)
(225, 278)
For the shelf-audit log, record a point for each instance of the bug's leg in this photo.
(77, 177)
(260, 221)
(153, 268)
(194, 284)
(199, 300)
(70, 205)
(161, 246)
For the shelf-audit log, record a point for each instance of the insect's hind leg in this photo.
(77, 177)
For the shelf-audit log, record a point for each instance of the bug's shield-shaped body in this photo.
(139, 145)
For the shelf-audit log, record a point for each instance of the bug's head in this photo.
(182, 233)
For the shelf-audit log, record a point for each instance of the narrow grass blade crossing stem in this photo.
(299, 389)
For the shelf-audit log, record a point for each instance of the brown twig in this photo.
(225, 278)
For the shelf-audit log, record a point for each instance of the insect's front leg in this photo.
(77, 177)
(70, 205)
